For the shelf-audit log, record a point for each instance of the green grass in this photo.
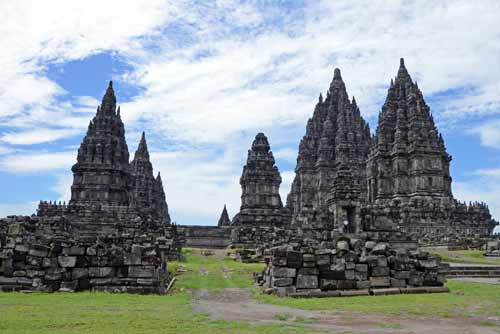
(465, 256)
(104, 313)
(211, 272)
(465, 299)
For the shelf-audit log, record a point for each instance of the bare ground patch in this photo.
(238, 305)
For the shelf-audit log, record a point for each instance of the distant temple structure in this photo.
(104, 179)
(115, 233)
(394, 184)
(260, 184)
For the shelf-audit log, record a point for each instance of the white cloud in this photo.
(218, 73)
(489, 133)
(37, 136)
(287, 153)
(37, 162)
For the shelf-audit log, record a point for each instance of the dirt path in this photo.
(238, 305)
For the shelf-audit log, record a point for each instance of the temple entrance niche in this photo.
(349, 223)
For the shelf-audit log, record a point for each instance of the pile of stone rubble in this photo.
(38, 256)
(351, 266)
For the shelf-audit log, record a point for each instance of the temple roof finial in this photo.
(336, 74)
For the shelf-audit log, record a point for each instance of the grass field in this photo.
(465, 256)
(122, 313)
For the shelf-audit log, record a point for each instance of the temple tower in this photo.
(224, 218)
(407, 156)
(102, 174)
(336, 134)
(260, 182)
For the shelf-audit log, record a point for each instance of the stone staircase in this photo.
(473, 270)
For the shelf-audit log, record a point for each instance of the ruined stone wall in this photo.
(349, 264)
(431, 222)
(204, 236)
(43, 254)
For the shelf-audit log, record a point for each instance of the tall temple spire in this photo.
(406, 135)
(335, 133)
(108, 104)
(142, 149)
(224, 218)
(103, 156)
(403, 75)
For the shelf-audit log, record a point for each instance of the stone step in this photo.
(474, 271)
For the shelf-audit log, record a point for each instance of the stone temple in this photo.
(260, 182)
(395, 185)
(114, 234)
(355, 199)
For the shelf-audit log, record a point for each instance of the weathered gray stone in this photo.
(307, 281)
(141, 271)
(284, 272)
(67, 261)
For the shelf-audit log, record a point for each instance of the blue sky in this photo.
(203, 77)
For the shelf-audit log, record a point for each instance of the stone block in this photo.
(68, 286)
(360, 276)
(101, 272)
(308, 271)
(92, 251)
(308, 258)
(279, 261)
(21, 248)
(34, 261)
(354, 293)
(327, 284)
(100, 281)
(350, 275)
(284, 272)
(141, 271)
(430, 263)
(54, 274)
(279, 282)
(380, 271)
(309, 264)
(381, 261)
(363, 284)
(49, 262)
(380, 249)
(369, 245)
(346, 285)
(75, 250)
(361, 267)
(284, 291)
(401, 274)
(338, 267)
(78, 273)
(350, 265)
(388, 291)
(342, 245)
(40, 252)
(7, 280)
(24, 281)
(397, 283)
(307, 282)
(323, 259)
(380, 282)
(66, 261)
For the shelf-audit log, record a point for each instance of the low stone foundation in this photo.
(349, 264)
